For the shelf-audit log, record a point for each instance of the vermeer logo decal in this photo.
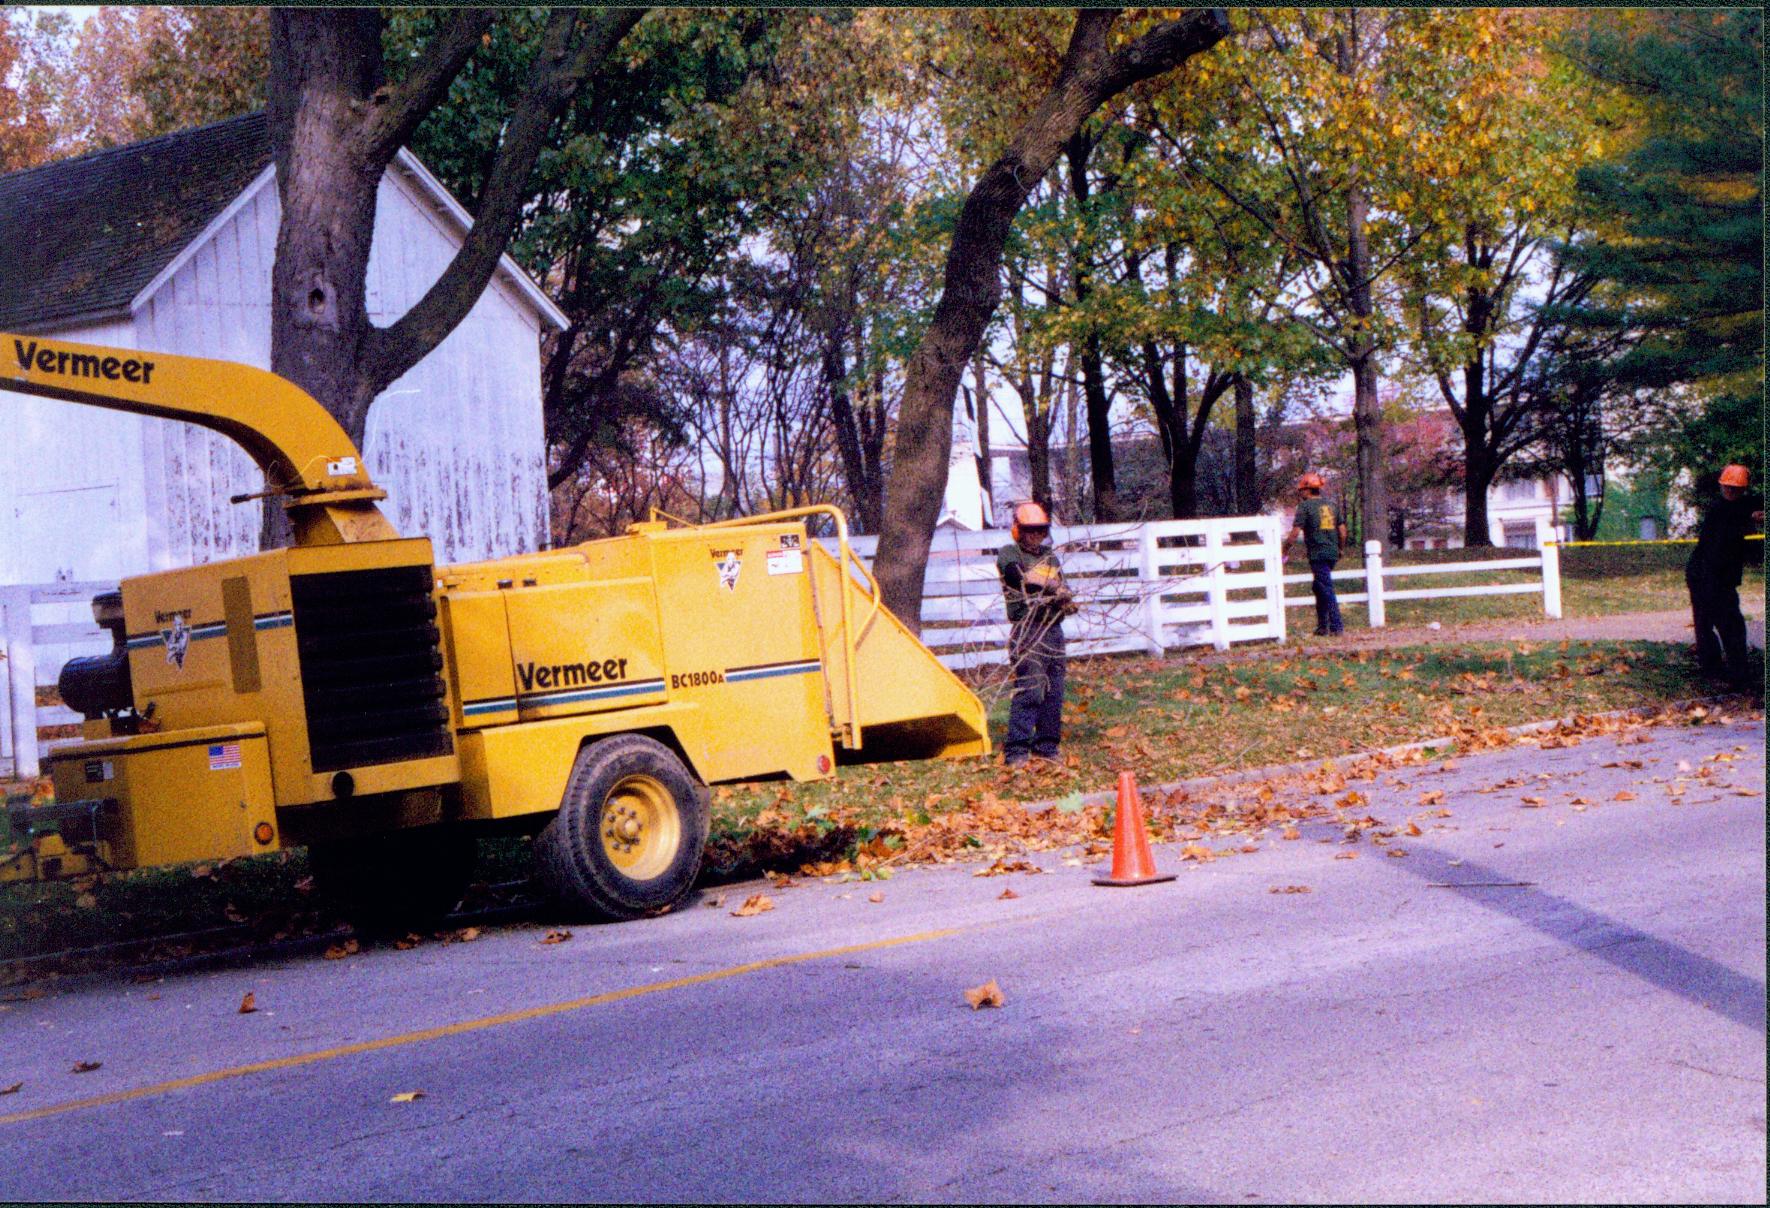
(571, 675)
(81, 364)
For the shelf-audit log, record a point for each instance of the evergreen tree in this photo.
(1682, 250)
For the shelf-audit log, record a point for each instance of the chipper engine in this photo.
(347, 695)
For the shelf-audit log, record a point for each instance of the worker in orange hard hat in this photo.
(1321, 532)
(1038, 600)
(1715, 569)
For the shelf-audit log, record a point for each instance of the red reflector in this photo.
(823, 763)
(263, 832)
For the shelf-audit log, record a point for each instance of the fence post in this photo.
(1217, 592)
(21, 677)
(1549, 543)
(1273, 568)
(1149, 581)
(1373, 584)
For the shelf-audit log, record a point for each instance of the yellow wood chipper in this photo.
(348, 695)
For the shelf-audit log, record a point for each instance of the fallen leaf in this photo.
(1623, 795)
(85, 1067)
(1247, 848)
(85, 901)
(556, 937)
(1289, 832)
(1289, 889)
(1746, 793)
(876, 896)
(779, 880)
(1346, 855)
(1413, 829)
(755, 904)
(1197, 851)
(14, 1089)
(1006, 895)
(248, 1004)
(409, 941)
(1449, 765)
(1395, 852)
(987, 995)
(338, 952)
(1532, 802)
(201, 871)
(1432, 797)
(716, 901)
(407, 1097)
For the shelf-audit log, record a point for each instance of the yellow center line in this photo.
(481, 1024)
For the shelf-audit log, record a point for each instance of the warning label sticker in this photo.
(786, 562)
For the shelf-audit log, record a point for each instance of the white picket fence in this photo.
(1142, 587)
(1375, 592)
(1145, 588)
(42, 626)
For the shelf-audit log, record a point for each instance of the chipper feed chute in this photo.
(908, 705)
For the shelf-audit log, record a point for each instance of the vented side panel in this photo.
(370, 666)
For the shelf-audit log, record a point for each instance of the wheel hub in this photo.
(641, 827)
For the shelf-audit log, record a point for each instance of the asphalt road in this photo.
(1594, 1035)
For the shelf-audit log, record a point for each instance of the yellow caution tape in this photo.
(1660, 541)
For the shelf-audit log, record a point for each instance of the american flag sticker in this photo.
(224, 756)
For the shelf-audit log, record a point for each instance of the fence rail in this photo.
(1146, 588)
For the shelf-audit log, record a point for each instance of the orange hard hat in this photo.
(1029, 515)
(1311, 480)
(1735, 476)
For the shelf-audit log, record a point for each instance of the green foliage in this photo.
(1683, 255)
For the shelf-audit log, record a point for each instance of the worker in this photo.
(1714, 571)
(1322, 534)
(1038, 600)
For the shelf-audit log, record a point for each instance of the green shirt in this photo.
(1321, 536)
(1013, 563)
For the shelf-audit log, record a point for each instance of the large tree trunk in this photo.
(972, 286)
(1247, 493)
(335, 125)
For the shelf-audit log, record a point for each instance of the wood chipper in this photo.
(348, 695)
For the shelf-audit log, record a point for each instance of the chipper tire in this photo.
(630, 832)
(399, 882)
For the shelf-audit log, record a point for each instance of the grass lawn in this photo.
(1164, 720)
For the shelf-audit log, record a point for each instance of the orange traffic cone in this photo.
(1131, 862)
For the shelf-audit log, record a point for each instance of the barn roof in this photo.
(81, 239)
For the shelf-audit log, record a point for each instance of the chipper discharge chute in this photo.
(348, 695)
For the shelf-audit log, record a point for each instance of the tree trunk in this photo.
(1367, 410)
(1247, 501)
(984, 470)
(848, 437)
(334, 128)
(1100, 460)
(1478, 461)
(972, 284)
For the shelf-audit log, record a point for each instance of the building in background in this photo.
(167, 245)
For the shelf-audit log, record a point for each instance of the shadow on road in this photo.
(1691, 976)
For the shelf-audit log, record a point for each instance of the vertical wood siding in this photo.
(457, 442)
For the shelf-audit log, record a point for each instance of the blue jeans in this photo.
(1035, 713)
(1327, 604)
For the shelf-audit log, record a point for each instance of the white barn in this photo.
(167, 245)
